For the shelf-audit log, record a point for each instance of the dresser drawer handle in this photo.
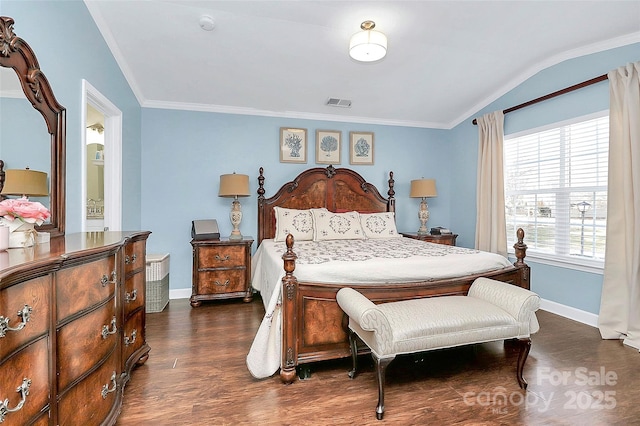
(106, 390)
(130, 297)
(105, 279)
(24, 391)
(219, 284)
(222, 259)
(131, 340)
(24, 313)
(130, 260)
(106, 331)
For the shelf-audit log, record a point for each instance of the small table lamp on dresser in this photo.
(234, 185)
(423, 188)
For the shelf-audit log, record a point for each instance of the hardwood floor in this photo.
(196, 375)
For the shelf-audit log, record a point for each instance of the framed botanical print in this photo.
(361, 148)
(293, 145)
(328, 146)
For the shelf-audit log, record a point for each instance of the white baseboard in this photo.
(546, 305)
(569, 312)
(180, 293)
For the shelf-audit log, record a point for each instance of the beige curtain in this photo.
(620, 303)
(491, 234)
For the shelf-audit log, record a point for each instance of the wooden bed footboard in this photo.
(314, 326)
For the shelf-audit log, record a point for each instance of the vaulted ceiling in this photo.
(446, 59)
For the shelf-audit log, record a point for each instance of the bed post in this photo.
(261, 191)
(289, 358)
(391, 205)
(521, 252)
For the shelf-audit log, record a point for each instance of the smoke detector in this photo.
(207, 23)
(343, 103)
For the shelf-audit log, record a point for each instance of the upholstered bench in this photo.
(491, 311)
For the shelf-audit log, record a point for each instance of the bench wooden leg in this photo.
(354, 353)
(525, 347)
(381, 367)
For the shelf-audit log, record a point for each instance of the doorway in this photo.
(102, 162)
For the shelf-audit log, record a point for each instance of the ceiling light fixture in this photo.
(368, 45)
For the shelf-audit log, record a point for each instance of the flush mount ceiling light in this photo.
(368, 45)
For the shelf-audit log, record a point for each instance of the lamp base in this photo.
(235, 236)
(423, 215)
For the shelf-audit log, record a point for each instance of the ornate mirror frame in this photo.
(17, 54)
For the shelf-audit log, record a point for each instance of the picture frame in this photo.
(293, 145)
(328, 146)
(361, 148)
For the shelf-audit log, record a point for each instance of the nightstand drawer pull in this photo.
(105, 279)
(225, 284)
(24, 313)
(4, 405)
(106, 331)
(131, 340)
(128, 260)
(222, 259)
(105, 388)
(130, 297)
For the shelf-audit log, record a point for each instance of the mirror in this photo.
(15, 53)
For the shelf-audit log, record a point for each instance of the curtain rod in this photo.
(554, 94)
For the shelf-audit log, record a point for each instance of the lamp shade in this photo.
(368, 45)
(25, 182)
(233, 185)
(421, 188)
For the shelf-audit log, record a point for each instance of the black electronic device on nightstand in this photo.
(205, 230)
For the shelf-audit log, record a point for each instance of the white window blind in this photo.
(556, 189)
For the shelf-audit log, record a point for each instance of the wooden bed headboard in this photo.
(338, 190)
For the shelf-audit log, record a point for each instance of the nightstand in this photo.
(221, 270)
(446, 239)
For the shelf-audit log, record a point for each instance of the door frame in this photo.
(113, 157)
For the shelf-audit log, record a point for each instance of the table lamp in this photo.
(234, 185)
(423, 188)
(25, 183)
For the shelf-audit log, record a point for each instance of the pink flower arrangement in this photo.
(25, 210)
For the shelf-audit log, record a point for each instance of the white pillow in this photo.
(379, 225)
(336, 226)
(298, 223)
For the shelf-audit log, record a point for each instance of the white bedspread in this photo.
(373, 261)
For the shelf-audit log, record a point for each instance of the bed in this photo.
(303, 322)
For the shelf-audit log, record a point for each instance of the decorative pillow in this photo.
(336, 226)
(379, 225)
(298, 223)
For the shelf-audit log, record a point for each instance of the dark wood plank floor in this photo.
(196, 375)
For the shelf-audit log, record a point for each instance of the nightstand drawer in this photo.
(230, 281)
(221, 256)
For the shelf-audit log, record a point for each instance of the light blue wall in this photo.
(70, 48)
(176, 179)
(186, 152)
(580, 290)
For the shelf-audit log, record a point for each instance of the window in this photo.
(556, 189)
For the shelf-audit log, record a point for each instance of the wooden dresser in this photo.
(72, 327)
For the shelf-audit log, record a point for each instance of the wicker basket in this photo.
(157, 296)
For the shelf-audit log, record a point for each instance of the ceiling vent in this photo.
(344, 103)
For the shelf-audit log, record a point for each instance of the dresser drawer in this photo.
(28, 300)
(91, 400)
(224, 281)
(32, 364)
(133, 335)
(134, 254)
(85, 285)
(84, 342)
(221, 256)
(134, 296)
